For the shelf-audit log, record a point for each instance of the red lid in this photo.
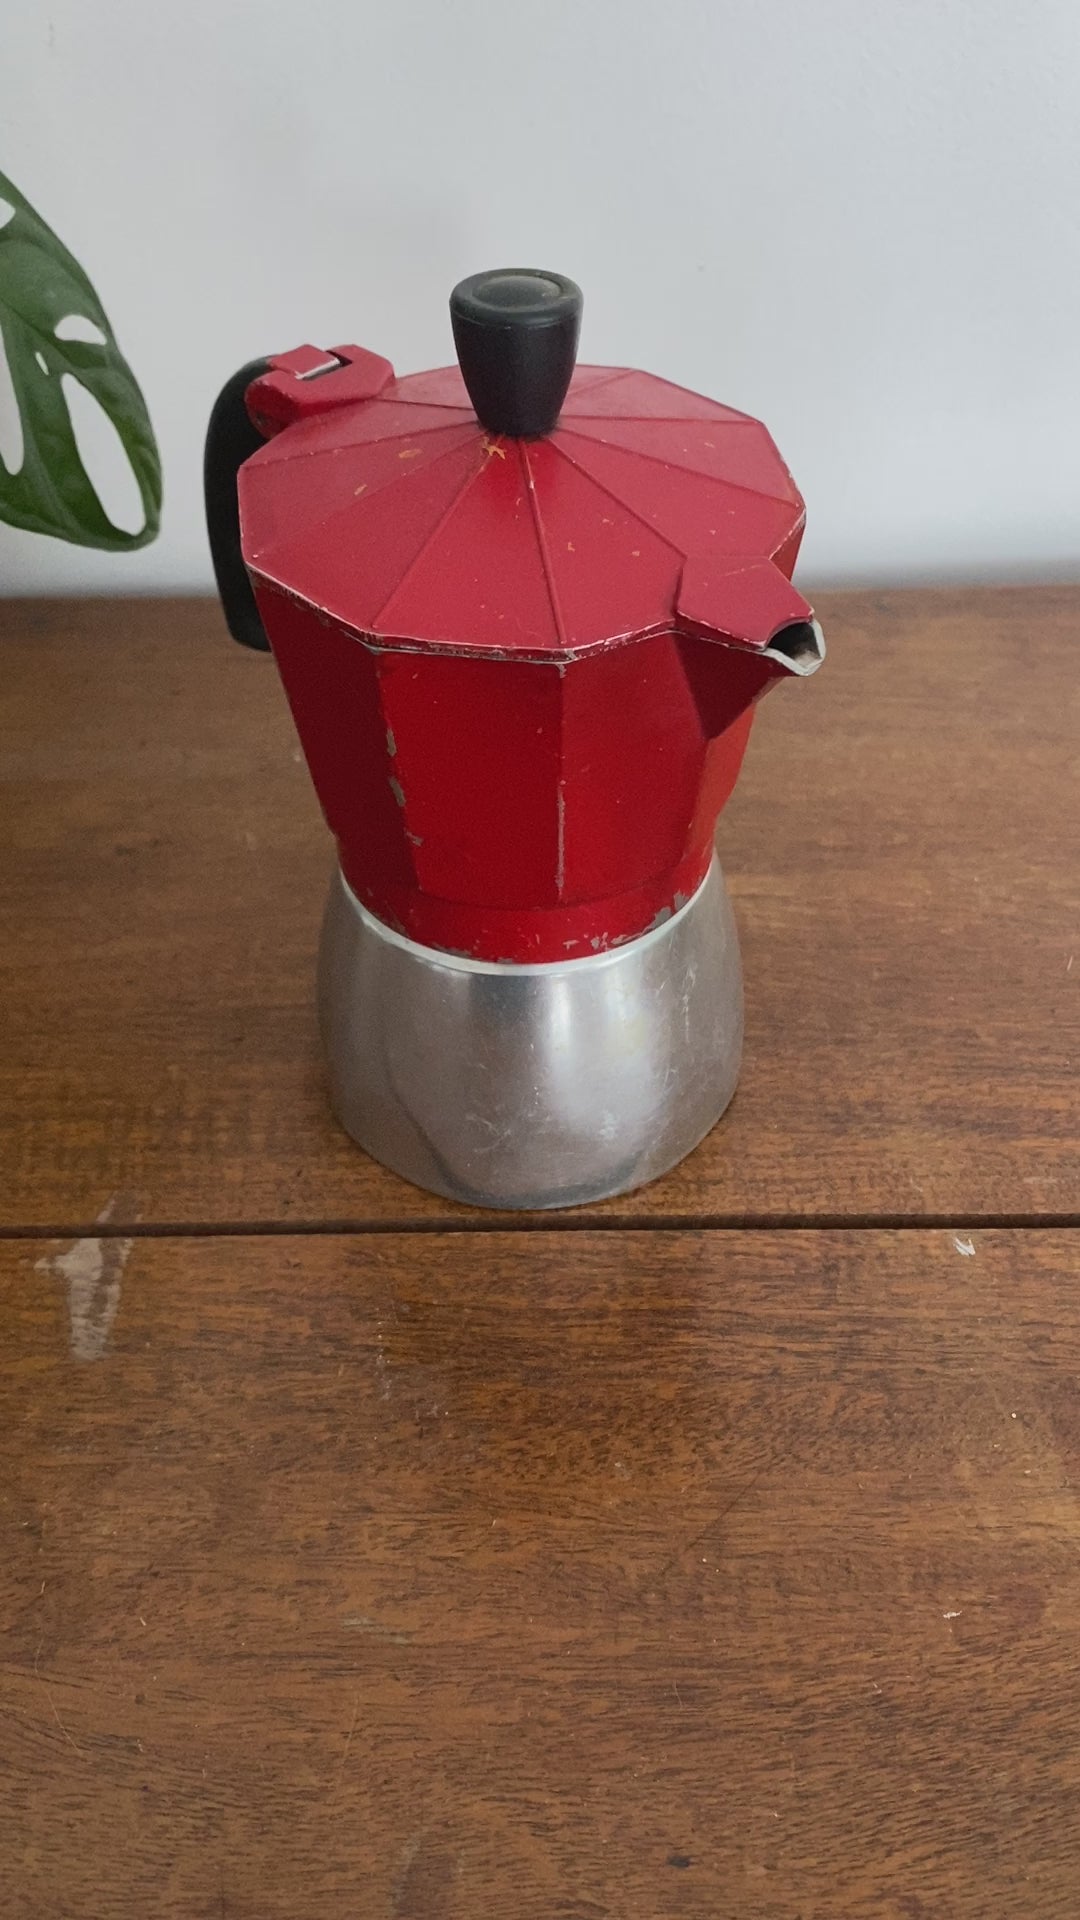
(404, 520)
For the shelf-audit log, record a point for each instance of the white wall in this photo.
(858, 218)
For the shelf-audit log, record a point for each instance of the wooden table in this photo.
(713, 1552)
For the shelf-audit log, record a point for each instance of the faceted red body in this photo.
(523, 672)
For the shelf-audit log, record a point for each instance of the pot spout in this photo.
(744, 628)
(798, 647)
(752, 606)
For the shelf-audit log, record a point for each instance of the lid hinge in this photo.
(313, 380)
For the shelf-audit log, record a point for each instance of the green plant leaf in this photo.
(41, 285)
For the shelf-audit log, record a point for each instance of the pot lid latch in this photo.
(313, 380)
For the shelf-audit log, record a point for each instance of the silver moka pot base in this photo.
(532, 1086)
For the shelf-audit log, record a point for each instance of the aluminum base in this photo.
(532, 1086)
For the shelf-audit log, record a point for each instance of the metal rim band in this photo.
(462, 963)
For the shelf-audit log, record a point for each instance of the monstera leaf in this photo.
(46, 300)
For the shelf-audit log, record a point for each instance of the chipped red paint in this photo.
(523, 672)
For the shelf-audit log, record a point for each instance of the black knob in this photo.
(516, 334)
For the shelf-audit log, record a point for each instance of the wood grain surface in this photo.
(555, 1573)
(903, 851)
(588, 1575)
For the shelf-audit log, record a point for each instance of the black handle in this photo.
(230, 440)
(516, 334)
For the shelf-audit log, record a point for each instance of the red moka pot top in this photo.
(523, 667)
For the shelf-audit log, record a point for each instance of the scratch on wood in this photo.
(52, 1704)
(362, 1623)
(349, 1735)
(425, 1886)
(92, 1270)
(716, 1521)
(385, 1389)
